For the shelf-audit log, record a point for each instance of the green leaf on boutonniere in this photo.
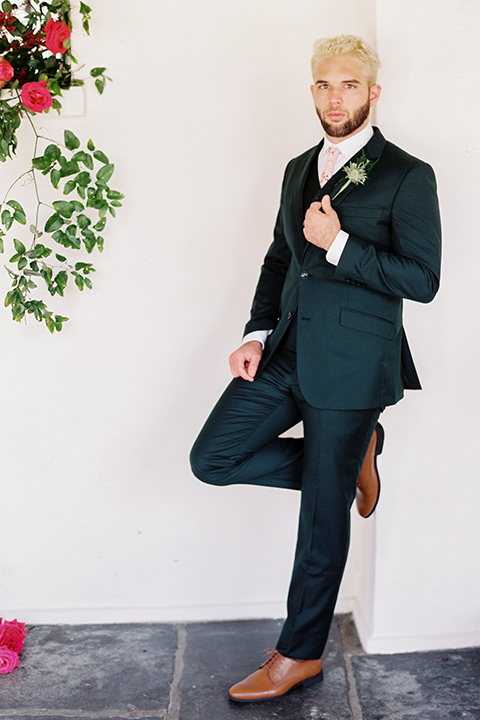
(357, 172)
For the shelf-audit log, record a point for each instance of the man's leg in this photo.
(334, 447)
(239, 443)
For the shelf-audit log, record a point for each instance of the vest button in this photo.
(304, 274)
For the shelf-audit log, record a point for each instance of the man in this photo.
(358, 230)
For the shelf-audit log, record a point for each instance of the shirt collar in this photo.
(352, 145)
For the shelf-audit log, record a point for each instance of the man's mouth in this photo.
(335, 116)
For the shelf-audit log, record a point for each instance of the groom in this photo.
(357, 231)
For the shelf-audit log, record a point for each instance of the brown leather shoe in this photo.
(276, 677)
(368, 483)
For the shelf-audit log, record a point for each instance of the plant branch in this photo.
(27, 172)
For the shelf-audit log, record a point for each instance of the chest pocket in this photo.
(360, 212)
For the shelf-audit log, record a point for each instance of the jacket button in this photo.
(348, 279)
(304, 274)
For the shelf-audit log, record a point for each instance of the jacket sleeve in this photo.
(411, 267)
(266, 302)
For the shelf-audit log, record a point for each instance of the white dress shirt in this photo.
(348, 148)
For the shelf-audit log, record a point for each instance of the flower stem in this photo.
(39, 202)
(346, 184)
(27, 172)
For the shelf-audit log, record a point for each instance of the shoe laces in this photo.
(271, 661)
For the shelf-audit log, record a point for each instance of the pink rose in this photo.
(6, 71)
(56, 33)
(9, 660)
(35, 96)
(12, 635)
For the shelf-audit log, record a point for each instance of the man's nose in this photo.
(335, 100)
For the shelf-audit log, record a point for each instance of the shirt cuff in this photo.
(258, 335)
(337, 247)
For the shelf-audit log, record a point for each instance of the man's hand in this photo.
(244, 361)
(321, 225)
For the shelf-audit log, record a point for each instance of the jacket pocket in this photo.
(356, 320)
(361, 212)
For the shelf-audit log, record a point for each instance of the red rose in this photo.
(12, 635)
(9, 660)
(56, 33)
(6, 71)
(36, 97)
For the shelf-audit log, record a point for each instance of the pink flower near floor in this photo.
(12, 635)
(9, 660)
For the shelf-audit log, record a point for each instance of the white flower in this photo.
(357, 172)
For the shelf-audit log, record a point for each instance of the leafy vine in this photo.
(35, 66)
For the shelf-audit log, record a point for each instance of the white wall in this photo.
(109, 524)
(427, 574)
(102, 519)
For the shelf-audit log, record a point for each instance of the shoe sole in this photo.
(308, 682)
(378, 451)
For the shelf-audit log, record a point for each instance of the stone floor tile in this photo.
(67, 715)
(219, 654)
(116, 668)
(419, 686)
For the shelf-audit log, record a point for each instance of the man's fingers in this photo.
(240, 367)
(326, 203)
(253, 365)
(244, 361)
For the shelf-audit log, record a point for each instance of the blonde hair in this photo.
(350, 46)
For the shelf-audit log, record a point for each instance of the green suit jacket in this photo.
(352, 351)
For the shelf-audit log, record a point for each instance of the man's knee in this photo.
(206, 465)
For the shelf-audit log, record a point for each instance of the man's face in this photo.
(343, 97)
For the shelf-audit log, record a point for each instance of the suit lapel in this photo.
(373, 150)
(298, 195)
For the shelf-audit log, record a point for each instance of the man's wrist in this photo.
(258, 335)
(336, 248)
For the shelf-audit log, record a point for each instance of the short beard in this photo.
(342, 130)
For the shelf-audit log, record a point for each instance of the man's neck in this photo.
(338, 140)
(353, 143)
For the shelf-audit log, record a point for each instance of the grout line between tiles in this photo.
(173, 712)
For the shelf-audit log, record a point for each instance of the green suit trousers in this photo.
(240, 443)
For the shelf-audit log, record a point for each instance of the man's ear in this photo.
(375, 91)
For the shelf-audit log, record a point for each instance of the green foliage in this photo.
(74, 224)
(85, 12)
(100, 78)
(75, 220)
(22, 44)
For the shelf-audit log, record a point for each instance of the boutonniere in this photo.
(357, 172)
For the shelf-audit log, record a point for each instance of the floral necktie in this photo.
(332, 155)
